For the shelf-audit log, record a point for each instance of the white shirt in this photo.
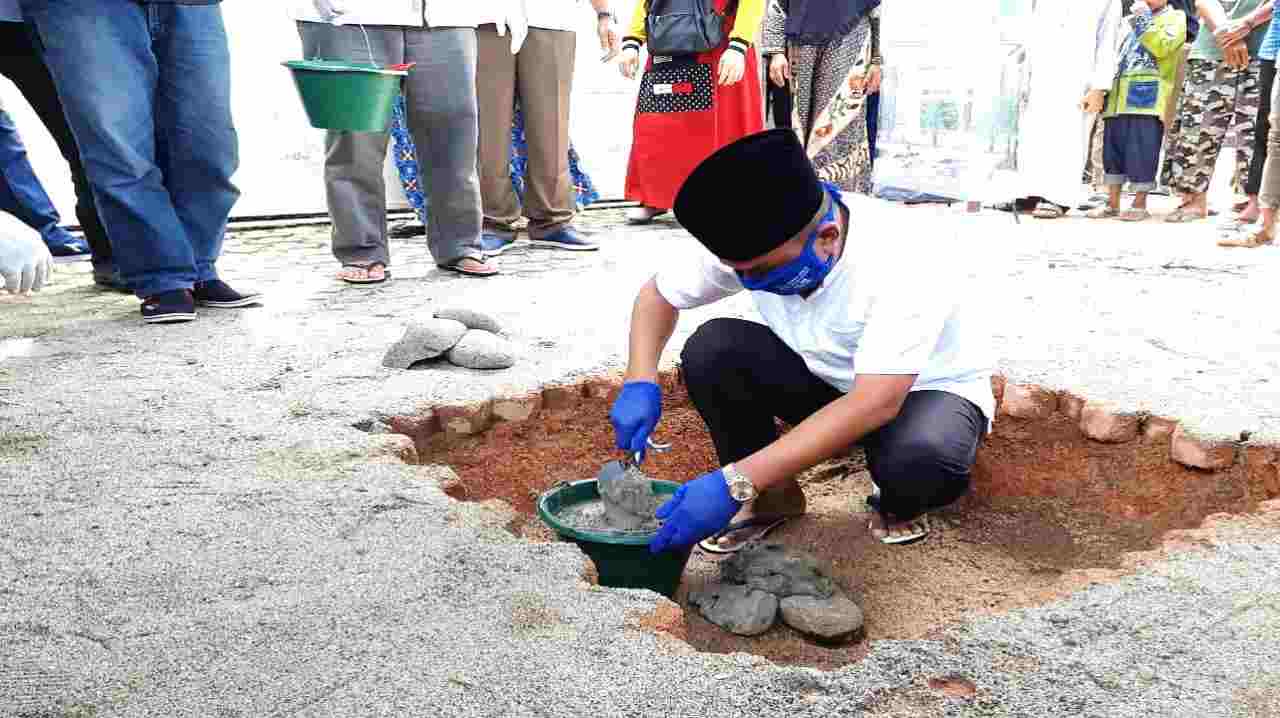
(402, 13)
(896, 302)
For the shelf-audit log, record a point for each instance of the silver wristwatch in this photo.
(740, 487)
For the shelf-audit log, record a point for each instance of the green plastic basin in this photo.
(622, 559)
(350, 96)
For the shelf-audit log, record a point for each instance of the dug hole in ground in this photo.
(1066, 493)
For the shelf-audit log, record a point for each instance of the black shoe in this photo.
(169, 307)
(108, 277)
(216, 293)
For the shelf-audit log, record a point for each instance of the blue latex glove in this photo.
(697, 510)
(635, 414)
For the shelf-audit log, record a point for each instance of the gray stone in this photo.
(830, 620)
(770, 567)
(424, 340)
(482, 350)
(737, 609)
(472, 318)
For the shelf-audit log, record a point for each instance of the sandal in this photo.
(1252, 240)
(1049, 210)
(1182, 215)
(1103, 212)
(470, 267)
(767, 524)
(350, 273)
(919, 526)
(1135, 215)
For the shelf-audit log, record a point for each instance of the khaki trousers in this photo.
(542, 74)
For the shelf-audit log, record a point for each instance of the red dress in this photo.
(683, 115)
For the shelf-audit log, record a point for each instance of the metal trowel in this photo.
(622, 493)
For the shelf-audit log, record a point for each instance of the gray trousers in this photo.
(440, 98)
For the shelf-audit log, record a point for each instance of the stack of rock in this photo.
(464, 337)
(764, 581)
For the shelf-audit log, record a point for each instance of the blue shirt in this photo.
(9, 11)
(1271, 43)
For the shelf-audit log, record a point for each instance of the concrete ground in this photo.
(191, 526)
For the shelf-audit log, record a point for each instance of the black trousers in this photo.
(741, 377)
(21, 63)
(1253, 185)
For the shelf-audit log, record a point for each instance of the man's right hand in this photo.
(779, 69)
(1231, 33)
(1237, 55)
(25, 263)
(635, 414)
(630, 63)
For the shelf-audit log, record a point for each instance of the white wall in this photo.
(281, 154)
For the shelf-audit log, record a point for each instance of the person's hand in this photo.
(515, 20)
(329, 10)
(634, 415)
(697, 510)
(1231, 33)
(629, 65)
(1142, 8)
(779, 69)
(1094, 101)
(1237, 56)
(25, 263)
(874, 76)
(609, 40)
(733, 65)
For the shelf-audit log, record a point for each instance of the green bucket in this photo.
(622, 559)
(350, 96)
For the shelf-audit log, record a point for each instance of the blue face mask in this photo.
(802, 274)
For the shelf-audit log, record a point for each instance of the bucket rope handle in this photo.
(368, 45)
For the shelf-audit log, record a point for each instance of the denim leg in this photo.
(101, 58)
(21, 193)
(197, 147)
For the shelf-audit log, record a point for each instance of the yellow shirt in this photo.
(745, 27)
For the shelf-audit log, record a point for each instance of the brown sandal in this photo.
(470, 267)
(347, 273)
(1252, 240)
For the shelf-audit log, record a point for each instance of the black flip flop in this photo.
(386, 273)
(711, 544)
(457, 268)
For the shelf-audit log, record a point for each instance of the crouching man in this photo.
(866, 340)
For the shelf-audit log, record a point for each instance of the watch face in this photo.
(741, 490)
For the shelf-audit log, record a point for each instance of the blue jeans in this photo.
(21, 193)
(147, 92)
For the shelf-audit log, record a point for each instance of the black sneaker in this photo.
(216, 293)
(169, 307)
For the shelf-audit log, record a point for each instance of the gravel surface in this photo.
(191, 526)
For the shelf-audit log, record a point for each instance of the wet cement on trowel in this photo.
(627, 503)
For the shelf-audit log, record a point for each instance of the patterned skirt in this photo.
(406, 159)
(830, 108)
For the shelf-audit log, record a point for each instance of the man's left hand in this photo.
(697, 510)
(732, 66)
(610, 43)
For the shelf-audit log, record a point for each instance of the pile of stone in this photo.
(463, 337)
(764, 581)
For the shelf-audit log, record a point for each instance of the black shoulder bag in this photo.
(684, 27)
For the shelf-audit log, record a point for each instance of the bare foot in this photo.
(897, 531)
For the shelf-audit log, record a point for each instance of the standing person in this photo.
(22, 64)
(830, 52)
(849, 351)
(690, 106)
(147, 92)
(1073, 55)
(1264, 182)
(439, 38)
(1267, 58)
(1133, 130)
(540, 75)
(1221, 94)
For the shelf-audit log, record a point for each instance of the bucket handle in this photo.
(368, 45)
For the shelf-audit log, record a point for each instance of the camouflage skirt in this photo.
(1217, 100)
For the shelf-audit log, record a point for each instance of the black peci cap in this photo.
(751, 196)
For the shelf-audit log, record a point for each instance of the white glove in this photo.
(329, 10)
(517, 21)
(25, 263)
